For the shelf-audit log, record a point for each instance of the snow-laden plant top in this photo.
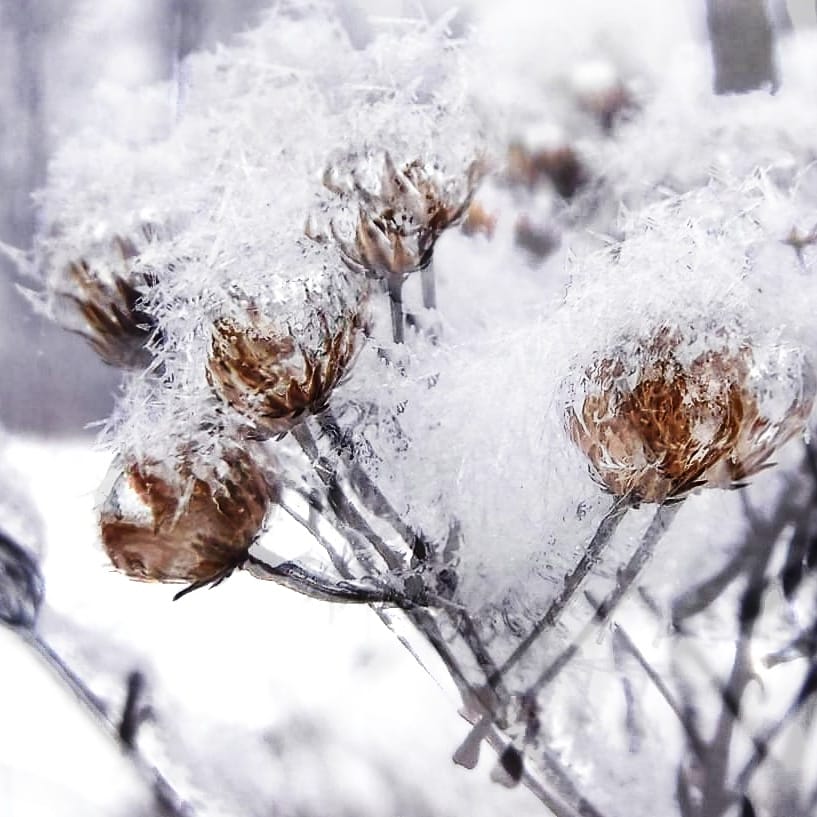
(466, 307)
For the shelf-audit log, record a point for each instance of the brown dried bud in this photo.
(106, 294)
(172, 526)
(271, 379)
(599, 89)
(659, 422)
(478, 220)
(529, 165)
(398, 226)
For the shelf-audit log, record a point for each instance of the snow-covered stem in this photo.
(624, 581)
(572, 582)
(429, 286)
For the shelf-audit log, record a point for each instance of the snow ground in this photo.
(264, 701)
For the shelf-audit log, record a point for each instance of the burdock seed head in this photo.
(161, 522)
(275, 377)
(104, 295)
(399, 224)
(660, 416)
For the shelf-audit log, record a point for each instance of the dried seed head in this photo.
(398, 226)
(533, 161)
(479, 220)
(105, 296)
(664, 419)
(169, 525)
(599, 89)
(272, 379)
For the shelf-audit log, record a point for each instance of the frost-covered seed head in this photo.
(105, 297)
(169, 525)
(272, 379)
(398, 226)
(530, 167)
(655, 424)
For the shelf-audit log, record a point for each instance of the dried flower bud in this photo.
(170, 525)
(535, 160)
(398, 226)
(660, 418)
(478, 220)
(540, 240)
(269, 377)
(106, 294)
(600, 91)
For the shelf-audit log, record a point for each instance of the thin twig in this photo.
(624, 581)
(429, 286)
(395, 290)
(696, 742)
(169, 801)
(573, 580)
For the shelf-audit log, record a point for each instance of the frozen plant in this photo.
(509, 460)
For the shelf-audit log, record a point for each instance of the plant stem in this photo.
(395, 288)
(624, 581)
(590, 559)
(428, 280)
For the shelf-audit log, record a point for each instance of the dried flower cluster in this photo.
(655, 427)
(271, 378)
(178, 527)
(399, 225)
(106, 295)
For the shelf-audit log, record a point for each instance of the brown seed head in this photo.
(398, 226)
(654, 427)
(179, 527)
(108, 305)
(271, 379)
(532, 166)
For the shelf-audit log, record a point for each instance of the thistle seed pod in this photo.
(659, 422)
(270, 378)
(534, 160)
(105, 294)
(398, 226)
(167, 525)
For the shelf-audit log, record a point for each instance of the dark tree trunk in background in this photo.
(742, 41)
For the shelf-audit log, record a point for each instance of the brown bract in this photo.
(398, 226)
(654, 428)
(112, 320)
(185, 529)
(272, 380)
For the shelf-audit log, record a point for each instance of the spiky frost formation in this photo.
(660, 416)
(162, 522)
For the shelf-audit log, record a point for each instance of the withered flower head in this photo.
(105, 294)
(398, 226)
(272, 379)
(533, 161)
(664, 418)
(600, 90)
(173, 526)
